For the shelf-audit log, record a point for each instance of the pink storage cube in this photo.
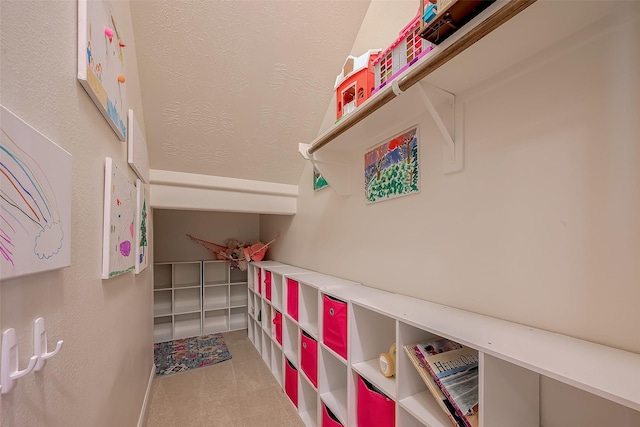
(334, 325)
(277, 321)
(374, 408)
(291, 382)
(309, 357)
(267, 284)
(260, 281)
(328, 418)
(292, 298)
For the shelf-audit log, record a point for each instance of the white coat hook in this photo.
(9, 372)
(40, 344)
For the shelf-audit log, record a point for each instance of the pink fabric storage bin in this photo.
(260, 281)
(374, 408)
(328, 418)
(309, 357)
(334, 325)
(277, 322)
(291, 382)
(267, 284)
(292, 299)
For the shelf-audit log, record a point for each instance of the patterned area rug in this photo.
(176, 356)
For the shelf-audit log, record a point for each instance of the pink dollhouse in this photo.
(403, 52)
(355, 83)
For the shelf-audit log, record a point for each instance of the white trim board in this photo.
(179, 190)
(145, 403)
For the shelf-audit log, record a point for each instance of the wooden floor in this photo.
(240, 392)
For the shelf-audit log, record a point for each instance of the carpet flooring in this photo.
(239, 392)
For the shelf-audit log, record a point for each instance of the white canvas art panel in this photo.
(35, 200)
(118, 248)
(142, 218)
(101, 67)
(137, 155)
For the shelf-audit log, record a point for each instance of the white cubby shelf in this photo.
(195, 298)
(513, 357)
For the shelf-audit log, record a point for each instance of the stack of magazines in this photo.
(450, 371)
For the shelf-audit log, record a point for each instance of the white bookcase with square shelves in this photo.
(325, 357)
(198, 297)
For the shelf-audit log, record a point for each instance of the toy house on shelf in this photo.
(403, 52)
(355, 83)
(449, 16)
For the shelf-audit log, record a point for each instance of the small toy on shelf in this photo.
(355, 83)
(429, 13)
(387, 362)
(451, 15)
(403, 52)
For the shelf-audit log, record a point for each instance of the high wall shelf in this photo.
(492, 42)
(513, 357)
(196, 298)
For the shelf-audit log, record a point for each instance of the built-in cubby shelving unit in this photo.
(327, 367)
(196, 298)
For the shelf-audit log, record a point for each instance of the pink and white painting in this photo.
(120, 200)
(35, 200)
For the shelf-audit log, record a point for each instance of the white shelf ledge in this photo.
(573, 361)
(179, 190)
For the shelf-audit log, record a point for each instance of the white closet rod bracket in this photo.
(395, 87)
(452, 130)
(332, 165)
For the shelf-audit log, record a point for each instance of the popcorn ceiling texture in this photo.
(228, 93)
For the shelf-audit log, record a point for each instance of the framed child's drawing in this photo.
(120, 200)
(35, 200)
(142, 216)
(318, 180)
(137, 149)
(391, 169)
(101, 67)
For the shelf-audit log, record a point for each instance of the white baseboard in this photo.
(143, 410)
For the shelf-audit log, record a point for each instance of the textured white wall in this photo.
(100, 376)
(541, 226)
(172, 226)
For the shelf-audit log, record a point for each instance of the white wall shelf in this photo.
(180, 190)
(498, 38)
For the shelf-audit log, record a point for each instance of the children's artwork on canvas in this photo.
(391, 169)
(101, 67)
(137, 155)
(35, 200)
(142, 216)
(118, 251)
(318, 180)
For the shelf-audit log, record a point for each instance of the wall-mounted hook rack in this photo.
(40, 344)
(9, 372)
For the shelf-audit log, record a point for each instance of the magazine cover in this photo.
(455, 369)
(441, 399)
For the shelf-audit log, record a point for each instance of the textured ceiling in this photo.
(230, 88)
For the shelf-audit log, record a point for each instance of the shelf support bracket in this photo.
(452, 130)
(332, 165)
